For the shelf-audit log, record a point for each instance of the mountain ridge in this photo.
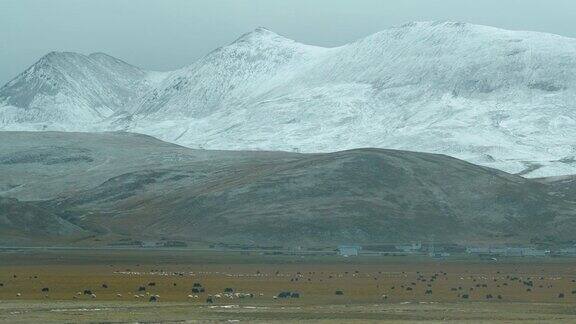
(423, 86)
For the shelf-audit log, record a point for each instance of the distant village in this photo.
(448, 250)
(352, 250)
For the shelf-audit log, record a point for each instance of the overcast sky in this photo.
(167, 34)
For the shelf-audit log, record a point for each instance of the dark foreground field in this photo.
(372, 288)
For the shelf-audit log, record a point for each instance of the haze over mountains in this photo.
(65, 185)
(498, 98)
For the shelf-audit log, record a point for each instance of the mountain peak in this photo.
(53, 54)
(435, 23)
(68, 57)
(262, 31)
(110, 61)
(101, 55)
(59, 56)
(65, 87)
(260, 34)
(443, 26)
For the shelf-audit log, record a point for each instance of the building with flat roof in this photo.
(413, 247)
(349, 250)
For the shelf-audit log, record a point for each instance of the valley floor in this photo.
(175, 312)
(98, 286)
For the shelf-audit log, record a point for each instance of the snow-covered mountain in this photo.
(71, 91)
(505, 99)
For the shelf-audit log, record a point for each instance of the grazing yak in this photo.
(154, 298)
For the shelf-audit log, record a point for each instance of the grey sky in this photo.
(167, 34)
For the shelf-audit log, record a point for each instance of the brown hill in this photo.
(135, 185)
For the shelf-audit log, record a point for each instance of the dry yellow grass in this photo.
(363, 282)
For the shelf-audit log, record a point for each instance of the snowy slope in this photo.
(504, 99)
(498, 98)
(227, 76)
(70, 91)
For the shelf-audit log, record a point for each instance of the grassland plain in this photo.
(373, 288)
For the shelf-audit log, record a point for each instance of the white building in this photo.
(409, 247)
(349, 250)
